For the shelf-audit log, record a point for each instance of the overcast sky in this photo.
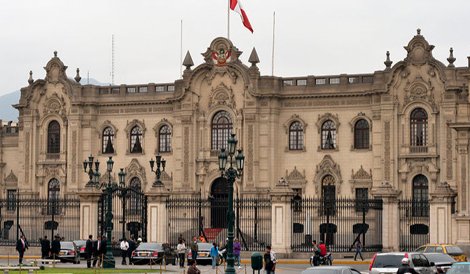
(312, 37)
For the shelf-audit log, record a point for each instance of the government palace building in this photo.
(382, 157)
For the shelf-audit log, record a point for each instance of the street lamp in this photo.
(231, 173)
(108, 189)
(160, 162)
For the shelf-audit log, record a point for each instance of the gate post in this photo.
(281, 225)
(89, 213)
(390, 215)
(440, 223)
(157, 217)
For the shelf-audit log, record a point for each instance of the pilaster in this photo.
(390, 215)
(89, 213)
(441, 213)
(281, 226)
(157, 215)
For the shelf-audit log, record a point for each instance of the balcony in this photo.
(418, 149)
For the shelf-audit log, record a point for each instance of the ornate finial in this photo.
(77, 77)
(253, 58)
(30, 80)
(418, 31)
(188, 61)
(55, 53)
(387, 62)
(451, 58)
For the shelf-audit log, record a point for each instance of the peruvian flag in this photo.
(236, 6)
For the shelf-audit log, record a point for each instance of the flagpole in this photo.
(181, 48)
(272, 57)
(228, 19)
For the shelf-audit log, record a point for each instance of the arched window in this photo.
(108, 140)
(418, 127)
(361, 134)
(328, 192)
(136, 140)
(296, 136)
(53, 191)
(164, 139)
(53, 137)
(328, 135)
(221, 130)
(420, 196)
(135, 199)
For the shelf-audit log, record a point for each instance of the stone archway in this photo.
(219, 203)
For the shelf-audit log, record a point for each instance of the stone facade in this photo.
(414, 123)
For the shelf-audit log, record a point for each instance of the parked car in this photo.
(459, 268)
(203, 254)
(388, 263)
(69, 253)
(153, 253)
(442, 262)
(450, 249)
(330, 270)
(81, 247)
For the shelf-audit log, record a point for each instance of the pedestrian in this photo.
(193, 268)
(316, 253)
(194, 248)
(180, 237)
(181, 249)
(269, 260)
(237, 247)
(89, 250)
(96, 251)
(124, 247)
(102, 250)
(132, 247)
(45, 248)
(21, 246)
(358, 250)
(214, 253)
(55, 247)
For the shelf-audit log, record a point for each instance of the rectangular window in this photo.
(353, 80)
(288, 82)
(320, 81)
(368, 79)
(362, 199)
(11, 199)
(115, 90)
(301, 82)
(142, 89)
(160, 88)
(131, 90)
(171, 88)
(334, 81)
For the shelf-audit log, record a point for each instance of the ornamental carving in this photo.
(419, 50)
(222, 96)
(361, 174)
(294, 117)
(327, 167)
(295, 178)
(419, 89)
(11, 178)
(55, 105)
(221, 52)
(327, 116)
(134, 169)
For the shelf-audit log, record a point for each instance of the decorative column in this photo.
(281, 212)
(390, 216)
(441, 203)
(89, 213)
(157, 217)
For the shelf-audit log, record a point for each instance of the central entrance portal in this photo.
(219, 203)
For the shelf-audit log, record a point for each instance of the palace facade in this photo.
(400, 134)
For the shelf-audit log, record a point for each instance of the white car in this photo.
(388, 263)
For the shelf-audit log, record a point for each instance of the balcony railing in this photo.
(418, 149)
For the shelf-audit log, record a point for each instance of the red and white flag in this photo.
(236, 6)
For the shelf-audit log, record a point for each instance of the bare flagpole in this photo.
(228, 19)
(181, 48)
(274, 27)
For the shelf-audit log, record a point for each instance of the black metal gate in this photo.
(414, 223)
(339, 223)
(129, 208)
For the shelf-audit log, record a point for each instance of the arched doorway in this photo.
(219, 203)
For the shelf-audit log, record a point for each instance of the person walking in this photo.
(96, 251)
(214, 253)
(237, 247)
(358, 250)
(45, 248)
(194, 248)
(89, 250)
(132, 247)
(21, 246)
(193, 268)
(124, 247)
(269, 260)
(55, 247)
(181, 249)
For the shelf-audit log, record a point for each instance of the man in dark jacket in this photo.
(21, 246)
(45, 248)
(405, 267)
(89, 251)
(132, 247)
(55, 247)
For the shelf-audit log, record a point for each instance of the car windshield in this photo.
(321, 271)
(459, 269)
(438, 257)
(454, 250)
(204, 246)
(66, 245)
(387, 261)
(149, 246)
(80, 242)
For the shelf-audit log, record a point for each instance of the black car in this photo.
(153, 253)
(443, 262)
(69, 253)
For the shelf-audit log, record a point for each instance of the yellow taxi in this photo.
(450, 249)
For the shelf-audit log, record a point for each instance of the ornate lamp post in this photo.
(231, 173)
(160, 162)
(108, 189)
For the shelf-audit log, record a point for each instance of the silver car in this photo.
(388, 263)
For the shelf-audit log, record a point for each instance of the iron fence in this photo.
(38, 217)
(339, 223)
(189, 217)
(414, 223)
